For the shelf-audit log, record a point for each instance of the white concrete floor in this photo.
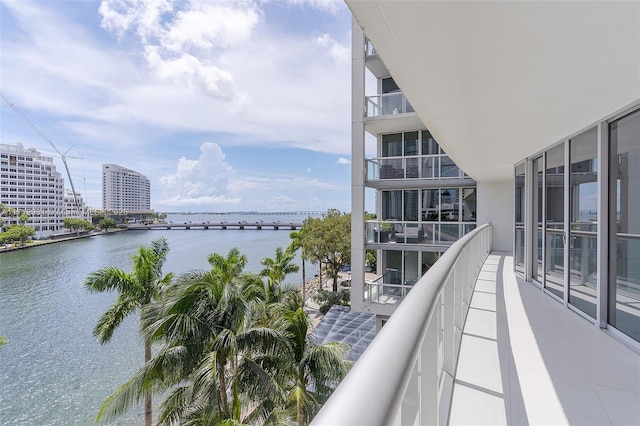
(527, 360)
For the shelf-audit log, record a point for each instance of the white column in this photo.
(496, 206)
(357, 166)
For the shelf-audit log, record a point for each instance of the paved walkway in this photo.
(527, 360)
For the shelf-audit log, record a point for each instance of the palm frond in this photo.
(113, 317)
(109, 279)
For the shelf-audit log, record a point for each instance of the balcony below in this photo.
(389, 112)
(526, 359)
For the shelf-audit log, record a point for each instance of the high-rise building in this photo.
(29, 182)
(125, 191)
(424, 202)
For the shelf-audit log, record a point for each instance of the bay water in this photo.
(52, 370)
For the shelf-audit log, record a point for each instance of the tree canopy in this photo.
(74, 224)
(17, 233)
(328, 240)
(229, 353)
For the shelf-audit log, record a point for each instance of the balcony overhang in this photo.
(496, 82)
(393, 123)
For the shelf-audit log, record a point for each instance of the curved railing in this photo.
(406, 374)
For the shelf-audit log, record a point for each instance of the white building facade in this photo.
(29, 182)
(74, 205)
(424, 202)
(125, 191)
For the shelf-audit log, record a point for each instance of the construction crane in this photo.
(63, 156)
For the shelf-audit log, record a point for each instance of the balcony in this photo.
(387, 104)
(389, 112)
(472, 343)
(413, 167)
(410, 232)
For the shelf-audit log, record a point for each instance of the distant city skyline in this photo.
(224, 106)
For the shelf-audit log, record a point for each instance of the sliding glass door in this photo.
(554, 221)
(520, 196)
(583, 236)
(624, 258)
(537, 219)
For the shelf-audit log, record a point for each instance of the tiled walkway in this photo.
(527, 360)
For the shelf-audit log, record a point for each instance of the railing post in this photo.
(448, 342)
(429, 374)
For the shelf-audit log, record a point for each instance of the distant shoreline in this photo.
(38, 243)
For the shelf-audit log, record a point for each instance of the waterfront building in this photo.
(125, 191)
(29, 182)
(424, 202)
(532, 318)
(74, 206)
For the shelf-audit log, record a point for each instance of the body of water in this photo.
(52, 370)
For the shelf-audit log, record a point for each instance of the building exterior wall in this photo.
(496, 206)
(29, 182)
(423, 201)
(124, 190)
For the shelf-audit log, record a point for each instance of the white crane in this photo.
(63, 156)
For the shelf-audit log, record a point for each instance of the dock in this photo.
(218, 225)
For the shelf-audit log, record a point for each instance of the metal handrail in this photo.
(422, 349)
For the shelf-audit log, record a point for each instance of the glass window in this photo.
(449, 206)
(583, 253)
(429, 144)
(448, 168)
(411, 205)
(469, 204)
(391, 205)
(554, 221)
(392, 145)
(624, 286)
(411, 143)
(430, 204)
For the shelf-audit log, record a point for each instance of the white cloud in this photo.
(331, 6)
(205, 180)
(186, 44)
(343, 160)
(143, 88)
(338, 52)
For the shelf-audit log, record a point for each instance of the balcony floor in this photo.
(527, 359)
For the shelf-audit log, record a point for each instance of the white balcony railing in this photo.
(387, 104)
(406, 374)
(413, 167)
(408, 232)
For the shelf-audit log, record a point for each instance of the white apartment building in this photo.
(29, 182)
(424, 202)
(74, 206)
(124, 191)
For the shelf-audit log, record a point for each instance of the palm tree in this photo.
(135, 291)
(207, 323)
(310, 371)
(276, 270)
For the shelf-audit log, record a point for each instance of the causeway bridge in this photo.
(278, 225)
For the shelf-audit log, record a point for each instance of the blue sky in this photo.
(224, 106)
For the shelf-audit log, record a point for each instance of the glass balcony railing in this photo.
(422, 341)
(369, 50)
(413, 167)
(387, 104)
(436, 233)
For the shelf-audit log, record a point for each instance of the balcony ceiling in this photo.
(496, 82)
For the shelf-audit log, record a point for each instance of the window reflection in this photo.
(624, 288)
(583, 253)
